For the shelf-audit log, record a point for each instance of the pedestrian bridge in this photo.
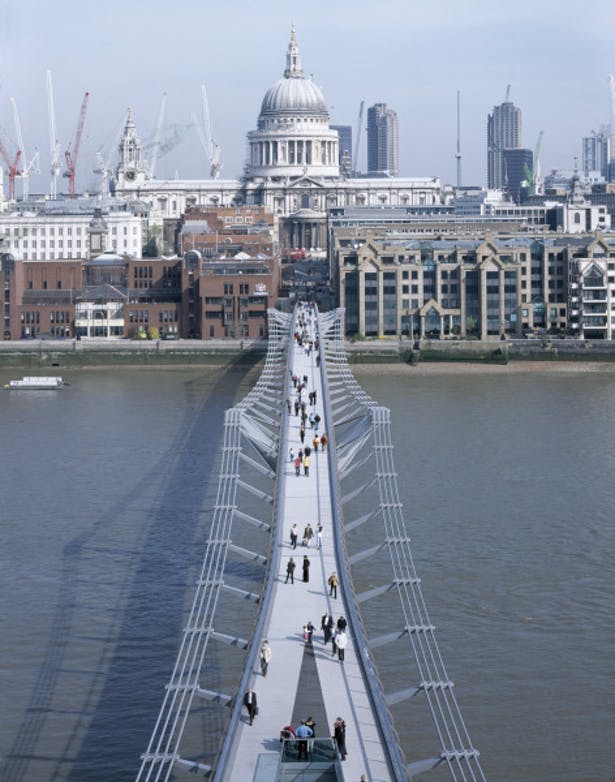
(243, 595)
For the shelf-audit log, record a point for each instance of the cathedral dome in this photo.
(294, 96)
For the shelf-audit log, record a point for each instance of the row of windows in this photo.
(51, 230)
(138, 316)
(59, 316)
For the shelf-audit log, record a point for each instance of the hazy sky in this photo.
(412, 54)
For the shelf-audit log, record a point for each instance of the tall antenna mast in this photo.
(458, 153)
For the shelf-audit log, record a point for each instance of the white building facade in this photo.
(293, 167)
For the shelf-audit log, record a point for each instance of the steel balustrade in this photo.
(369, 421)
(246, 424)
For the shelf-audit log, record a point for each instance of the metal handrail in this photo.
(456, 748)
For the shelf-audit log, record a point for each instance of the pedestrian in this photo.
(294, 534)
(265, 657)
(333, 639)
(339, 734)
(318, 360)
(291, 455)
(341, 642)
(326, 623)
(342, 624)
(303, 733)
(315, 442)
(296, 408)
(302, 433)
(310, 632)
(312, 726)
(306, 569)
(316, 422)
(323, 441)
(333, 582)
(319, 536)
(308, 534)
(288, 404)
(308, 450)
(306, 466)
(311, 420)
(249, 701)
(290, 571)
(298, 461)
(314, 396)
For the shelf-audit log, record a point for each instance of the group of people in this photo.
(336, 633)
(305, 732)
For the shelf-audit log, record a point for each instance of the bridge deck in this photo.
(304, 681)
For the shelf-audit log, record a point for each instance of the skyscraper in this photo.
(503, 132)
(382, 145)
(519, 167)
(596, 152)
(345, 147)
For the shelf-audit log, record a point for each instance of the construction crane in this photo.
(533, 176)
(13, 168)
(156, 144)
(54, 146)
(103, 167)
(27, 166)
(212, 149)
(357, 142)
(72, 153)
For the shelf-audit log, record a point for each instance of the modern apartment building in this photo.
(382, 140)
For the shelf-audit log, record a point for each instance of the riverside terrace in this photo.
(306, 679)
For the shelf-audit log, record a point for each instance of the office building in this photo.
(518, 169)
(503, 132)
(595, 153)
(382, 140)
(345, 147)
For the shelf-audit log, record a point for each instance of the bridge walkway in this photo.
(305, 681)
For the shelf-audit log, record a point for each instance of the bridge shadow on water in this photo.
(123, 688)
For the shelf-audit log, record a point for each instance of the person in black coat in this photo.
(249, 701)
(339, 734)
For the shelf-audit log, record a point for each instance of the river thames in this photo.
(507, 478)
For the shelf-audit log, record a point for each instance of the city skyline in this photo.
(414, 57)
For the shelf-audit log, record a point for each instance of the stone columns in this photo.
(482, 292)
(361, 276)
(462, 301)
(380, 302)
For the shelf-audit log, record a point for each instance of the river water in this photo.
(507, 481)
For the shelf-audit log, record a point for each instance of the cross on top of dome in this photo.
(293, 58)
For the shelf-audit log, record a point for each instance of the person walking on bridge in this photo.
(306, 466)
(294, 534)
(333, 582)
(249, 701)
(290, 571)
(326, 625)
(341, 642)
(339, 734)
(265, 657)
(306, 569)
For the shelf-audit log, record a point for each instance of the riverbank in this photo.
(67, 354)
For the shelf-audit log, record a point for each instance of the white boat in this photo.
(35, 384)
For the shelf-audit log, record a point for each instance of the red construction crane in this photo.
(72, 154)
(13, 168)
